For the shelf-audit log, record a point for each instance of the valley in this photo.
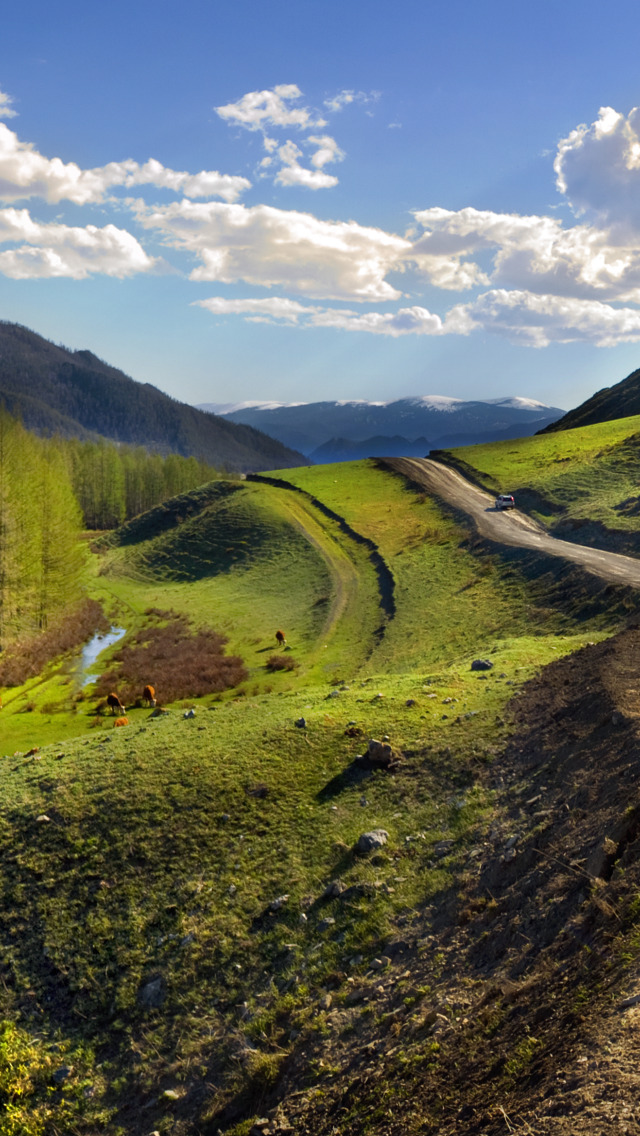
(191, 940)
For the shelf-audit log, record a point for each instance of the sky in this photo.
(296, 201)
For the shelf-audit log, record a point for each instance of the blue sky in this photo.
(296, 201)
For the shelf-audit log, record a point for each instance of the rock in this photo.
(377, 696)
(152, 994)
(411, 702)
(443, 847)
(170, 1094)
(190, 938)
(334, 889)
(399, 946)
(159, 712)
(43, 819)
(379, 753)
(355, 960)
(325, 924)
(354, 996)
(334, 694)
(352, 731)
(225, 817)
(301, 723)
(189, 713)
(371, 841)
(482, 665)
(61, 1075)
(325, 1002)
(276, 904)
(380, 963)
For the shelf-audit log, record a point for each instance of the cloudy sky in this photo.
(302, 199)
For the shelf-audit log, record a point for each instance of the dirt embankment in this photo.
(513, 1005)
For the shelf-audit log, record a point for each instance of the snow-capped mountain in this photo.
(443, 420)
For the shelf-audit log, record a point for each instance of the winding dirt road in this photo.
(511, 527)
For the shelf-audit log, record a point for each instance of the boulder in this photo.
(372, 841)
(482, 665)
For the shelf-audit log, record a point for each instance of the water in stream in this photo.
(94, 648)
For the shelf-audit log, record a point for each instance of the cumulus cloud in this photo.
(343, 98)
(276, 107)
(292, 173)
(280, 248)
(537, 321)
(406, 321)
(48, 250)
(25, 173)
(6, 108)
(598, 168)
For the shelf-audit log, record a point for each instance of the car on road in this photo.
(505, 501)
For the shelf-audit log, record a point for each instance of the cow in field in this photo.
(281, 638)
(149, 696)
(114, 704)
(121, 722)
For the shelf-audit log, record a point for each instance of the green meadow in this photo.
(167, 937)
(569, 478)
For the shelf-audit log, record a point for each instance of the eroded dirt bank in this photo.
(513, 1005)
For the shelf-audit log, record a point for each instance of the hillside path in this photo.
(509, 526)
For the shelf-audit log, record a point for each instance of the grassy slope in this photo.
(167, 841)
(590, 473)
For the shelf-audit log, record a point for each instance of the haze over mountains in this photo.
(344, 430)
(73, 393)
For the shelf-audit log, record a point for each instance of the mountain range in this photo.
(341, 430)
(54, 390)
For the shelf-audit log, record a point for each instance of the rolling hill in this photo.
(75, 394)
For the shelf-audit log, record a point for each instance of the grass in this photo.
(589, 474)
(140, 940)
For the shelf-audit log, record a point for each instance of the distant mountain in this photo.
(73, 393)
(345, 449)
(445, 421)
(619, 401)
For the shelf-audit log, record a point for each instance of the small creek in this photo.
(94, 648)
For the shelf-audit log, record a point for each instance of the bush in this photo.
(29, 657)
(281, 663)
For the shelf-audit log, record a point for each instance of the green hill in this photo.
(619, 401)
(75, 394)
(188, 939)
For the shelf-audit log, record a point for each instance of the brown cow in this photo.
(114, 703)
(149, 696)
(121, 722)
(280, 638)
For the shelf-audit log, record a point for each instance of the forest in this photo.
(51, 489)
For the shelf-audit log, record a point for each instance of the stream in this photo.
(94, 648)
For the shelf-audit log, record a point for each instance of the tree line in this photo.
(50, 490)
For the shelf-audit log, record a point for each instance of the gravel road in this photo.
(510, 526)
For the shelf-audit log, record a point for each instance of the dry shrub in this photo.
(180, 663)
(281, 663)
(28, 658)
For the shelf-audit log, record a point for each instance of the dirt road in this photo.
(510, 526)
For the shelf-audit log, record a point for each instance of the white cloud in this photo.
(598, 168)
(279, 248)
(345, 98)
(25, 173)
(292, 173)
(275, 307)
(328, 150)
(59, 250)
(537, 321)
(6, 109)
(275, 107)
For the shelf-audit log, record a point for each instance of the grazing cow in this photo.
(114, 703)
(121, 722)
(149, 696)
(280, 638)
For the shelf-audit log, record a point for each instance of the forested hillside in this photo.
(40, 522)
(72, 393)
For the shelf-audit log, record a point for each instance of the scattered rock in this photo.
(380, 963)
(482, 665)
(189, 713)
(443, 847)
(277, 904)
(43, 819)
(170, 1094)
(159, 712)
(334, 889)
(232, 889)
(411, 702)
(225, 817)
(334, 694)
(352, 731)
(357, 995)
(371, 841)
(61, 1075)
(325, 1002)
(377, 696)
(326, 923)
(152, 994)
(301, 723)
